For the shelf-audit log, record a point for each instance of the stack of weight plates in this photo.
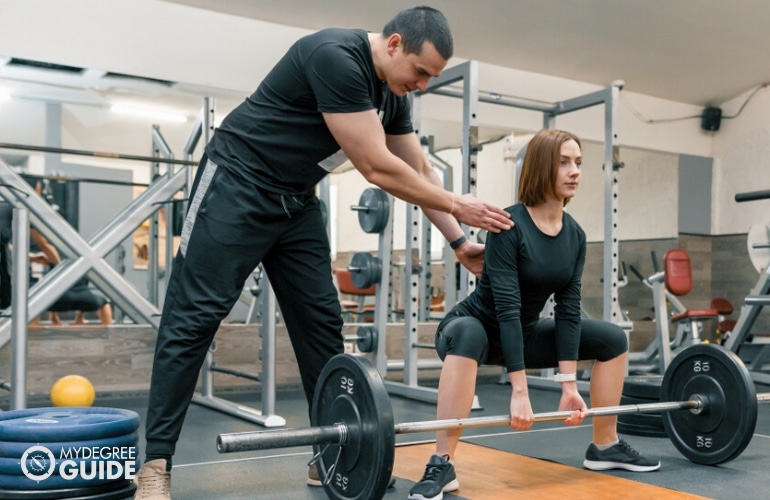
(641, 389)
(68, 453)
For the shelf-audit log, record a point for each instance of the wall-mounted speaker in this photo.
(710, 119)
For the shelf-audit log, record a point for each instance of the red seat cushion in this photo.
(676, 264)
(695, 314)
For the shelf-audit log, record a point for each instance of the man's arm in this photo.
(408, 148)
(361, 137)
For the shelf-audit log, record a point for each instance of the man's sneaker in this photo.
(619, 456)
(153, 482)
(439, 477)
(313, 479)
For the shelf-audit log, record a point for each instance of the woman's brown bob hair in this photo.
(541, 163)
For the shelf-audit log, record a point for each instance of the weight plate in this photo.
(66, 424)
(126, 452)
(365, 269)
(375, 217)
(114, 491)
(351, 391)
(22, 482)
(756, 241)
(723, 430)
(641, 430)
(643, 386)
(367, 338)
(627, 400)
(647, 419)
(12, 466)
(10, 449)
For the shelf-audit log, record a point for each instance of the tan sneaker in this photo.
(313, 479)
(153, 482)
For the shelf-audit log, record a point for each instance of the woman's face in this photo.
(568, 176)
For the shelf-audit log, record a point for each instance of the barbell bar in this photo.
(353, 432)
(338, 434)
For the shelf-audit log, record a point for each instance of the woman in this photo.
(500, 323)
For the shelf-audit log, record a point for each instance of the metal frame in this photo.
(383, 294)
(758, 297)
(266, 416)
(87, 258)
(19, 310)
(609, 98)
(467, 73)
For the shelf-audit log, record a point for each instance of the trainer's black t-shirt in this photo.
(277, 137)
(522, 268)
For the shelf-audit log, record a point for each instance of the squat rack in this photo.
(467, 74)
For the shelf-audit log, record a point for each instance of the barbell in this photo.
(353, 433)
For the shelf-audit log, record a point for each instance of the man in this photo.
(336, 95)
(6, 220)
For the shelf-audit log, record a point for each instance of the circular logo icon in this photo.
(38, 463)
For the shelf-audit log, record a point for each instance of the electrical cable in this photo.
(642, 118)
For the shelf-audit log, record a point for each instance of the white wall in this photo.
(742, 153)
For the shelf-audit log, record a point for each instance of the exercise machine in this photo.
(754, 348)
(667, 286)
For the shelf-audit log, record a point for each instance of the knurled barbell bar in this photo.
(353, 432)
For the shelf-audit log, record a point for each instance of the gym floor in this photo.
(201, 473)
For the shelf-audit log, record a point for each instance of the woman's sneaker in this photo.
(619, 456)
(439, 477)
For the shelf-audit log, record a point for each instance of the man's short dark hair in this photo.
(421, 24)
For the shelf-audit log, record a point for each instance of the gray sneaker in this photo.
(153, 482)
(439, 477)
(619, 456)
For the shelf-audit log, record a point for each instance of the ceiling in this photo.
(698, 52)
(701, 52)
